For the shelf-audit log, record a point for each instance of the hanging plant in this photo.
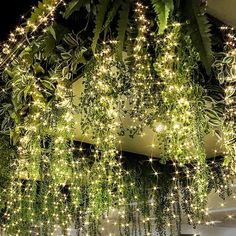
(104, 86)
(225, 67)
(148, 72)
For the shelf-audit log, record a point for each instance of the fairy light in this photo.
(183, 132)
(17, 39)
(51, 171)
(100, 98)
(106, 170)
(227, 76)
(141, 95)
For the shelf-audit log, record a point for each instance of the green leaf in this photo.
(199, 30)
(66, 55)
(122, 27)
(80, 55)
(26, 90)
(48, 45)
(101, 11)
(52, 31)
(111, 14)
(47, 84)
(213, 117)
(162, 8)
(73, 6)
(38, 12)
(38, 68)
(71, 39)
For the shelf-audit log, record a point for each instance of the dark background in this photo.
(10, 15)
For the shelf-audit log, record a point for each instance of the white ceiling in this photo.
(224, 10)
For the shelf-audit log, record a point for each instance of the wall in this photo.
(209, 231)
(186, 229)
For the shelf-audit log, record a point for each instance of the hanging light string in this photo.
(142, 97)
(181, 127)
(43, 165)
(41, 17)
(226, 68)
(100, 120)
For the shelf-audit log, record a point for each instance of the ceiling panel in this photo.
(224, 10)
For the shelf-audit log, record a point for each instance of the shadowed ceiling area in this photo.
(224, 10)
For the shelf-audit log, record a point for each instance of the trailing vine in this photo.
(140, 65)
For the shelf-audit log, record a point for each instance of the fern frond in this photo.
(122, 26)
(199, 30)
(73, 6)
(111, 14)
(101, 11)
(162, 8)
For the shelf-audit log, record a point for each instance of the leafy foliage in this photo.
(225, 68)
(162, 9)
(41, 10)
(7, 157)
(111, 14)
(198, 27)
(74, 6)
(101, 11)
(122, 26)
(46, 180)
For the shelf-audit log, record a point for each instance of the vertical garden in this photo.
(161, 64)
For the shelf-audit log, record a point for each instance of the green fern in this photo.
(73, 6)
(162, 8)
(100, 16)
(122, 27)
(199, 30)
(111, 14)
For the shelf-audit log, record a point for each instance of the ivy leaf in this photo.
(162, 8)
(122, 27)
(101, 11)
(199, 30)
(73, 6)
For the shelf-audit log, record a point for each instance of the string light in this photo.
(227, 76)
(142, 96)
(49, 176)
(18, 39)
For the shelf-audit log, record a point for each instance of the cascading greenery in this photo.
(165, 196)
(100, 104)
(225, 68)
(143, 95)
(43, 128)
(181, 136)
(151, 78)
